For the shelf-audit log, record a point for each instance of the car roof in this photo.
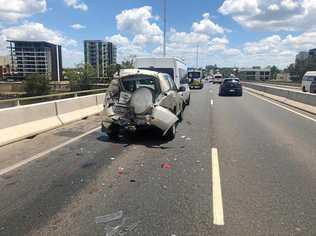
(129, 72)
(310, 73)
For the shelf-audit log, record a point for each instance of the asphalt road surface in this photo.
(238, 166)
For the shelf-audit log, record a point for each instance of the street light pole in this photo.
(164, 26)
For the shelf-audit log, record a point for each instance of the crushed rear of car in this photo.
(137, 100)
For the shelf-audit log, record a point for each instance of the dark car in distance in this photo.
(230, 86)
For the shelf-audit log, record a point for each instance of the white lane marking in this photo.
(44, 153)
(284, 107)
(218, 213)
(212, 102)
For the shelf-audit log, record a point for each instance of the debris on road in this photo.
(188, 139)
(120, 170)
(112, 158)
(198, 161)
(164, 187)
(166, 166)
(132, 181)
(183, 136)
(109, 218)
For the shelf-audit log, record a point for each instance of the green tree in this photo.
(81, 77)
(274, 72)
(36, 85)
(111, 70)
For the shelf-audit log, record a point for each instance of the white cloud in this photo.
(118, 40)
(272, 15)
(36, 31)
(78, 26)
(77, 4)
(137, 23)
(289, 4)
(206, 26)
(273, 7)
(277, 50)
(239, 7)
(12, 10)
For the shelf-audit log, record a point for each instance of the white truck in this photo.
(175, 67)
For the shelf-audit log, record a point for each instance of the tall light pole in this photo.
(164, 26)
(197, 56)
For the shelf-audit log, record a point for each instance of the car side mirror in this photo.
(182, 89)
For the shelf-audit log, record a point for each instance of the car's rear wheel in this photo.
(171, 133)
(114, 131)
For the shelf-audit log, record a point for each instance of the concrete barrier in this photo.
(74, 109)
(20, 122)
(298, 96)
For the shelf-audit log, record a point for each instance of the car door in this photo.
(178, 99)
(167, 98)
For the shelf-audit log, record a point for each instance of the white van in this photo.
(217, 78)
(309, 82)
(175, 67)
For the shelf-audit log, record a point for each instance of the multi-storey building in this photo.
(99, 54)
(255, 73)
(36, 57)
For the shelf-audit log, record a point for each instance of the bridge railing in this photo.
(4, 103)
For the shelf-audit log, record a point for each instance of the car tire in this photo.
(239, 94)
(114, 133)
(171, 133)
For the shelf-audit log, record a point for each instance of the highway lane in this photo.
(266, 166)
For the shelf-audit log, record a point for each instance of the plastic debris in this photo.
(166, 166)
(183, 136)
(164, 187)
(112, 158)
(198, 161)
(109, 218)
(120, 170)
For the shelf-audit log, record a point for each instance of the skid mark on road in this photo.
(218, 213)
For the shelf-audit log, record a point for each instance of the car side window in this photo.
(172, 83)
(164, 83)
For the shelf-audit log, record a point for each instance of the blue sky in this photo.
(227, 32)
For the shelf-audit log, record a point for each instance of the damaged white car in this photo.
(139, 99)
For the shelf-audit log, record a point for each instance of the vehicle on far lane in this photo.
(185, 93)
(230, 86)
(217, 78)
(309, 82)
(196, 79)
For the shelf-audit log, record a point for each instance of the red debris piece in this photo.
(120, 170)
(166, 166)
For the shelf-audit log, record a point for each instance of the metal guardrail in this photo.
(28, 100)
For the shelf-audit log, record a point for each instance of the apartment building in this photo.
(255, 73)
(99, 54)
